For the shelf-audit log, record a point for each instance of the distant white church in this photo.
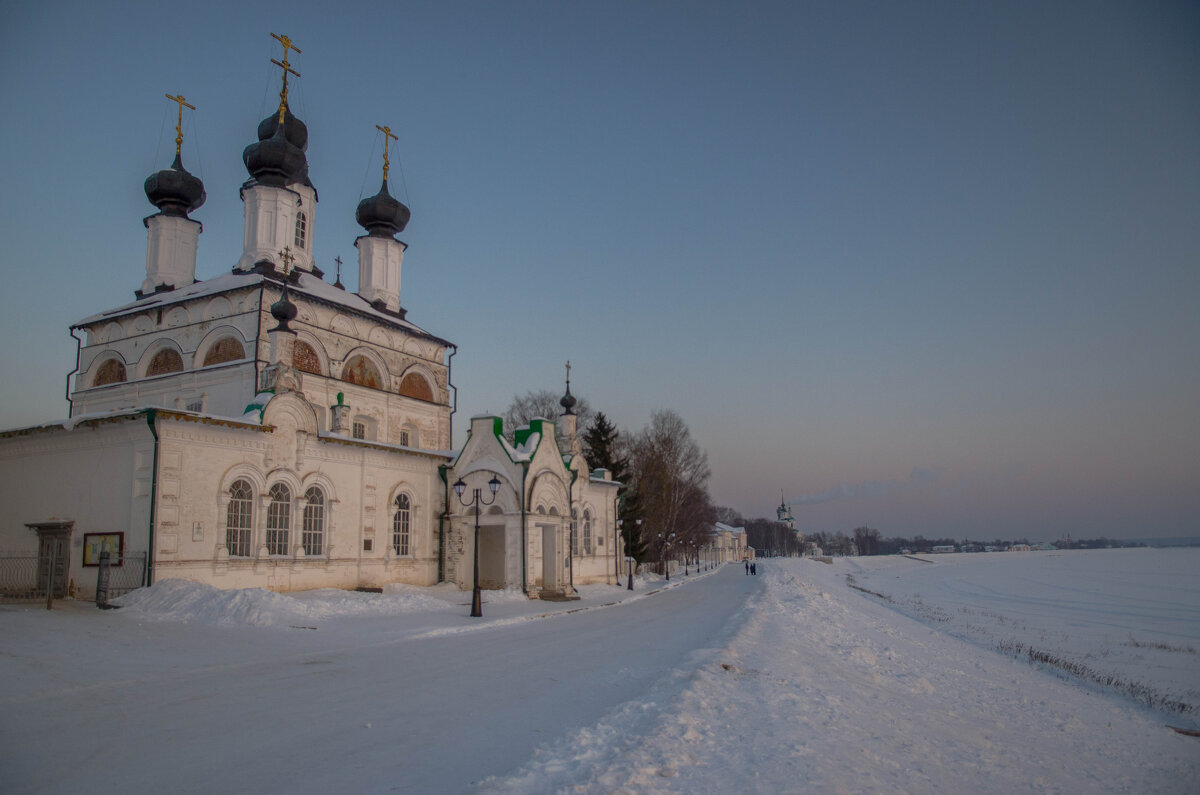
(266, 428)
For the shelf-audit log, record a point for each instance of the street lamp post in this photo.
(664, 552)
(616, 550)
(459, 487)
(629, 558)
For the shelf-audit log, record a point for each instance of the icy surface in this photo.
(790, 681)
(1127, 620)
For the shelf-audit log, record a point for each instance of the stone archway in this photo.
(493, 548)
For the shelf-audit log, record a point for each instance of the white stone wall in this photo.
(337, 337)
(95, 475)
(200, 461)
(191, 329)
(100, 476)
(270, 225)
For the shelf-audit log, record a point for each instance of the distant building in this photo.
(730, 543)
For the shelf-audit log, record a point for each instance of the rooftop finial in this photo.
(568, 400)
(287, 69)
(286, 256)
(387, 133)
(284, 310)
(338, 283)
(179, 121)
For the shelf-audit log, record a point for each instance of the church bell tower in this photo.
(281, 202)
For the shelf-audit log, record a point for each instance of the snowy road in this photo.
(345, 708)
(787, 682)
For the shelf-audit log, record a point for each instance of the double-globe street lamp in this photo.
(459, 487)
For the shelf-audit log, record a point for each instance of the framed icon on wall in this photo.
(95, 543)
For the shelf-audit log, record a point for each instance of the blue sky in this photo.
(931, 267)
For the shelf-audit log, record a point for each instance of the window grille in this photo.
(404, 438)
(313, 536)
(401, 525)
(279, 519)
(360, 430)
(574, 533)
(301, 229)
(587, 534)
(196, 406)
(238, 519)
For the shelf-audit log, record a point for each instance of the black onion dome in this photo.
(381, 215)
(293, 129)
(284, 311)
(276, 161)
(174, 190)
(568, 402)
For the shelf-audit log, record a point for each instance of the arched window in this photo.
(111, 372)
(165, 361)
(401, 526)
(587, 533)
(313, 536)
(414, 385)
(305, 358)
(359, 370)
(279, 519)
(574, 532)
(301, 229)
(226, 349)
(238, 519)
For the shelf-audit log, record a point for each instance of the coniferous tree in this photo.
(604, 449)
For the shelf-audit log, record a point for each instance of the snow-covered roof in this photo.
(72, 423)
(309, 286)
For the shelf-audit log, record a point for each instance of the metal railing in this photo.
(118, 575)
(19, 578)
(24, 577)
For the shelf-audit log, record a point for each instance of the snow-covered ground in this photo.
(790, 681)
(1127, 620)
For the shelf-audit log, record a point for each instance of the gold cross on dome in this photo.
(568, 371)
(179, 121)
(286, 256)
(387, 133)
(287, 69)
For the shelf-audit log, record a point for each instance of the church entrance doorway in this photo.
(54, 556)
(491, 557)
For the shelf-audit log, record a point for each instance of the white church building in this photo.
(265, 428)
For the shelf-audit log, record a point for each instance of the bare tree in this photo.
(671, 474)
(542, 403)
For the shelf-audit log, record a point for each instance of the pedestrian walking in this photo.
(747, 566)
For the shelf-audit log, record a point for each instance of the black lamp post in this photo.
(476, 500)
(665, 551)
(629, 558)
(616, 552)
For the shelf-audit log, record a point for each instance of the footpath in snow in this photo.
(791, 681)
